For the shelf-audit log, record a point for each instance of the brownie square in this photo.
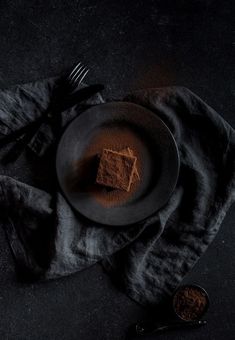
(116, 170)
(136, 176)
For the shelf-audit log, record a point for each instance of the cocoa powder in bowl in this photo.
(115, 138)
(190, 302)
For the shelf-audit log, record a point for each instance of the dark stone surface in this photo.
(128, 45)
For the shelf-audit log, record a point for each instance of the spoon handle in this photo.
(143, 329)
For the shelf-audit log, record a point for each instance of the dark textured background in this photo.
(128, 45)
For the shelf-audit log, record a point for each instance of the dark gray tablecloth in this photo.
(149, 259)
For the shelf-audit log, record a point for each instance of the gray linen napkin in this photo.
(149, 259)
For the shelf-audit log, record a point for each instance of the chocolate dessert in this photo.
(118, 140)
(116, 169)
(136, 176)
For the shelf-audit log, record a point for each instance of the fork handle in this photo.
(17, 135)
(22, 142)
(25, 134)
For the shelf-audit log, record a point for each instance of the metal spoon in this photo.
(149, 328)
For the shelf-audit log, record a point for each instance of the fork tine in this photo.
(78, 71)
(74, 70)
(81, 75)
(84, 75)
(73, 79)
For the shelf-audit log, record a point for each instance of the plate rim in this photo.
(154, 116)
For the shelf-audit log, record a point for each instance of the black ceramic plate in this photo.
(116, 126)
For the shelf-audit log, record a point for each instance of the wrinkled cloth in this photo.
(27, 103)
(148, 259)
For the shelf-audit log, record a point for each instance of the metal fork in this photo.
(66, 86)
(77, 75)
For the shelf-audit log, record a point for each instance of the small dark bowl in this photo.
(194, 286)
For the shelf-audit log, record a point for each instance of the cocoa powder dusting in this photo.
(190, 303)
(117, 139)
